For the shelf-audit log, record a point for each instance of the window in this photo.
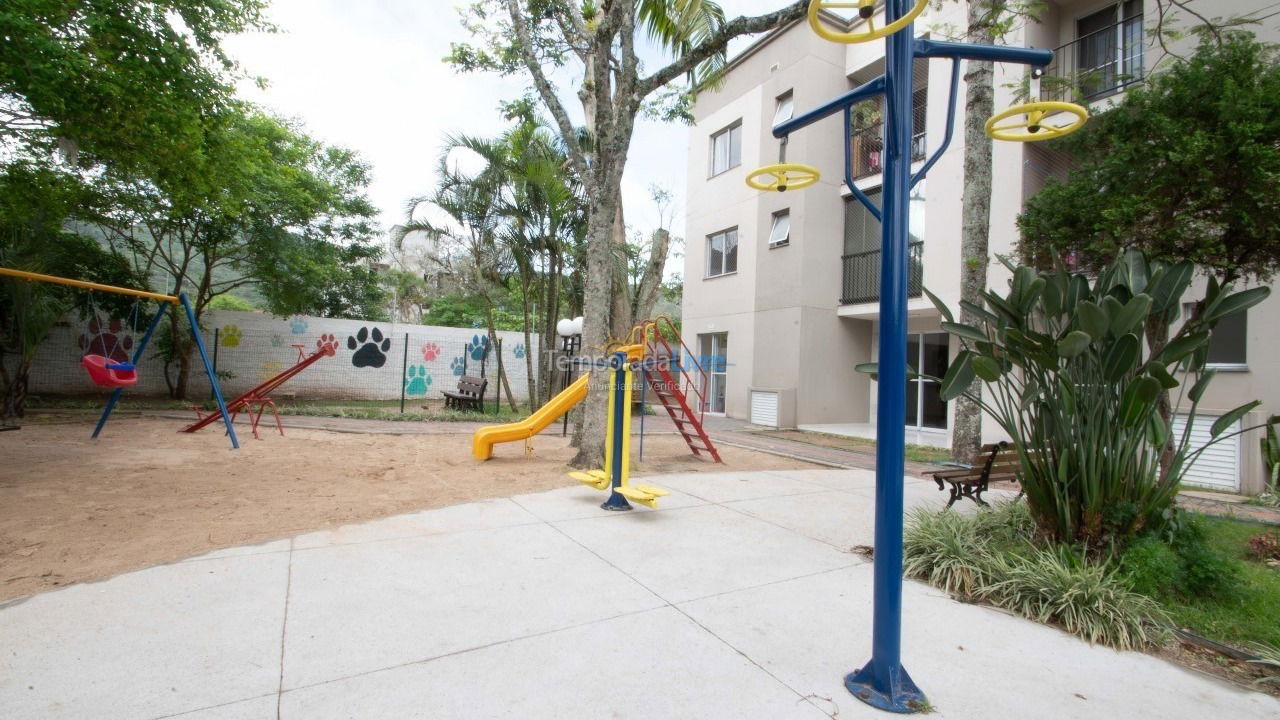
(726, 148)
(780, 232)
(785, 108)
(1109, 49)
(722, 253)
(714, 350)
(1229, 341)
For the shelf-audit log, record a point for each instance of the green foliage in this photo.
(231, 302)
(1070, 378)
(989, 557)
(1269, 660)
(1183, 168)
(1186, 568)
(467, 311)
(1271, 461)
(130, 81)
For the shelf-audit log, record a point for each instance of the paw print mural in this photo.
(430, 352)
(276, 340)
(370, 348)
(328, 343)
(268, 370)
(297, 324)
(519, 351)
(458, 366)
(230, 336)
(479, 346)
(112, 341)
(418, 382)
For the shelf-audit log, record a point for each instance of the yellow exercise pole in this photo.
(38, 277)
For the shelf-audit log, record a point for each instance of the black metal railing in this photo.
(867, 142)
(1096, 65)
(860, 282)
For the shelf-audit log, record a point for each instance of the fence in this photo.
(373, 361)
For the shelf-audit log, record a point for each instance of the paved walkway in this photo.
(738, 599)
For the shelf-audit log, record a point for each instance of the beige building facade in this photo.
(783, 289)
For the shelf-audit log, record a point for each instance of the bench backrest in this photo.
(1005, 464)
(472, 386)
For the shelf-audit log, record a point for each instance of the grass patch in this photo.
(1246, 613)
(415, 410)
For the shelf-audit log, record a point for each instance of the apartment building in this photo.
(783, 288)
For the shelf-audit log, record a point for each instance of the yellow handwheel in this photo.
(782, 178)
(866, 10)
(1028, 122)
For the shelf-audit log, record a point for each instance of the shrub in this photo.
(1185, 567)
(1152, 567)
(988, 556)
(1265, 546)
(1073, 374)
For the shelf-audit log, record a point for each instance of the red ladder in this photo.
(667, 387)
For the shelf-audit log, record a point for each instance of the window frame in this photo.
(788, 100)
(773, 225)
(1243, 366)
(731, 164)
(711, 237)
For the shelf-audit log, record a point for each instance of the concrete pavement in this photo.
(740, 598)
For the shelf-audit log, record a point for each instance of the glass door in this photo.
(713, 355)
(927, 353)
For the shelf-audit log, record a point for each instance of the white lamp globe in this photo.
(564, 328)
(577, 325)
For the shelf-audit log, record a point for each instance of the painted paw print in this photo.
(519, 351)
(479, 346)
(430, 352)
(458, 366)
(276, 340)
(328, 343)
(419, 382)
(230, 336)
(111, 342)
(297, 324)
(269, 369)
(370, 348)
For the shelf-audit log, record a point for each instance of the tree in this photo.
(129, 82)
(35, 202)
(1183, 168)
(539, 36)
(269, 207)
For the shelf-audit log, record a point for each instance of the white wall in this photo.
(254, 346)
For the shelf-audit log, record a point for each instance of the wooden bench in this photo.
(470, 393)
(994, 462)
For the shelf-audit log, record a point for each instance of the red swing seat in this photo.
(108, 373)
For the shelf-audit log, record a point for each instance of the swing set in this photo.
(112, 367)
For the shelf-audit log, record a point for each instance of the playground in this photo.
(187, 494)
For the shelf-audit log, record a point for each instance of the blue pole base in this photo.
(902, 695)
(616, 503)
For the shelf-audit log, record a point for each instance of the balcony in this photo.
(1096, 65)
(867, 140)
(861, 275)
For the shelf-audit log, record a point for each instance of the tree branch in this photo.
(548, 93)
(717, 43)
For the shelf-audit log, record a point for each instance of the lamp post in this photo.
(570, 332)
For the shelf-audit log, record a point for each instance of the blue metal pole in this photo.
(208, 369)
(137, 357)
(883, 683)
(617, 501)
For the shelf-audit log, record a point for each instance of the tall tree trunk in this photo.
(966, 433)
(621, 319)
(651, 280)
(503, 383)
(529, 380)
(589, 432)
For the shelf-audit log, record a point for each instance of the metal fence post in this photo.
(497, 396)
(404, 370)
(217, 342)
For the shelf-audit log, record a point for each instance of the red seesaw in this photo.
(259, 396)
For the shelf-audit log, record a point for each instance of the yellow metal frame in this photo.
(786, 176)
(871, 33)
(1031, 125)
(37, 277)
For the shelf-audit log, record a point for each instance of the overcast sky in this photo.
(368, 75)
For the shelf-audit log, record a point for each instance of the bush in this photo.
(1186, 567)
(1265, 546)
(989, 557)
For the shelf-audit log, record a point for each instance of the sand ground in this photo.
(75, 510)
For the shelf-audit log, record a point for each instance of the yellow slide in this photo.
(486, 437)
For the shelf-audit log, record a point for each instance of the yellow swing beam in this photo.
(38, 277)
